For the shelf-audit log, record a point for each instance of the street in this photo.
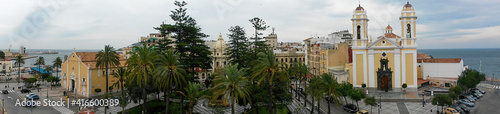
(11, 98)
(489, 103)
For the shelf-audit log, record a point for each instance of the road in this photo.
(334, 109)
(489, 103)
(10, 102)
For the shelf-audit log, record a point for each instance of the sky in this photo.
(91, 24)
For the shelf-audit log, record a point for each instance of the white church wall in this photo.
(446, 70)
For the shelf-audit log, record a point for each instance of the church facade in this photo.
(388, 61)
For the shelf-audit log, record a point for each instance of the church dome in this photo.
(408, 5)
(359, 8)
(388, 27)
(220, 44)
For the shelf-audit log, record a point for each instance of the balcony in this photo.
(83, 83)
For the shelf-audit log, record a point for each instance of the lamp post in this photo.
(379, 103)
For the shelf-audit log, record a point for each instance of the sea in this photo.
(48, 58)
(489, 57)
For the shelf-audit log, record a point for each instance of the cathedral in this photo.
(388, 61)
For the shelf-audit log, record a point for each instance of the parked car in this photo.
(351, 108)
(25, 91)
(362, 112)
(465, 108)
(451, 111)
(475, 98)
(483, 92)
(466, 102)
(29, 103)
(474, 95)
(30, 94)
(479, 95)
(467, 97)
(458, 109)
(34, 97)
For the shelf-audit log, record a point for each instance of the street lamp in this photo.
(379, 103)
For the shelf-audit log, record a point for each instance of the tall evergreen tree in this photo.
(238, 46)
(164, 43)
(258, 42)
(188, 37)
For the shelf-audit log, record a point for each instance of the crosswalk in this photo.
(10, 91)
(495, 87)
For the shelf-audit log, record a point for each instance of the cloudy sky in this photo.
(91, 24)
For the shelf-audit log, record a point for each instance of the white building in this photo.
(442, 72)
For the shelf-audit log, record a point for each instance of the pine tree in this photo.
(188, 37)
(164, 43)
(193, 51)
(258, 42)
(238, 46)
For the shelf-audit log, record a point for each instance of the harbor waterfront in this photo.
(489, 57)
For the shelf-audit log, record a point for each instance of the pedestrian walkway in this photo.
(417, 108)
(402, 108)
(10, 91)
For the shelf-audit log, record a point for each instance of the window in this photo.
(286, 59)
(358, 31)
(203, 76)
(408, 31)
(83, 79)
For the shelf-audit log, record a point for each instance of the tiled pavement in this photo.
(416, 108)
(387, 107)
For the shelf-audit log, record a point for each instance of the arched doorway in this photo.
(385, 85)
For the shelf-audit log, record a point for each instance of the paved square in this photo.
(416, 108)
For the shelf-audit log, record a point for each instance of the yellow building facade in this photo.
(389, 61)
(81, 76)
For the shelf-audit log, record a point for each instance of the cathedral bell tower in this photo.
(408, 21)
(360, 24)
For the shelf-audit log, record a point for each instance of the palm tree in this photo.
(105, 59)
(266, 68)
(57, 64)
(193, 94)
(19, 62)
(141, 64)
(301, 71)
(48, 69)
(169, 73)
(121, 73)
(40, 61)
(324, 84)
(233, 84)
